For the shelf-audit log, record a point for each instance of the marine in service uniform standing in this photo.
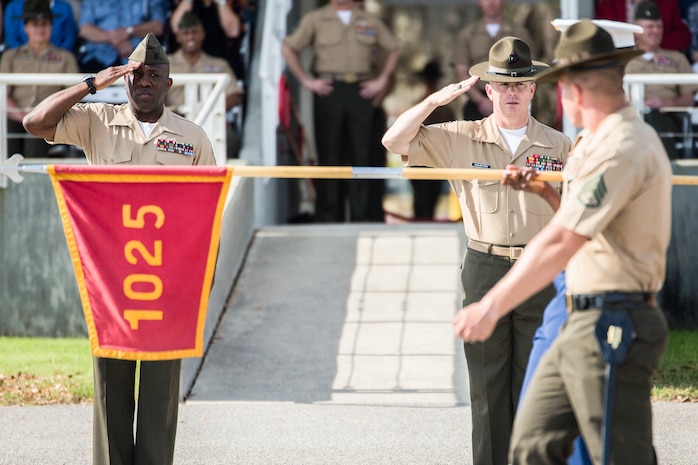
(141, 132)
(611, 233)
(343, 38)
(499, 220)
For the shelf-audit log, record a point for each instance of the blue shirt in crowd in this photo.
(111, 15)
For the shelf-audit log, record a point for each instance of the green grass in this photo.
(676, 378)
(40, 371)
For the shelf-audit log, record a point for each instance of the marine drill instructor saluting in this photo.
(499, 221)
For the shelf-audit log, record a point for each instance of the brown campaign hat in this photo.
(509, 61)
(149, 52)
(647, 10)
(36, 9)
(188, 20)
(584, 45)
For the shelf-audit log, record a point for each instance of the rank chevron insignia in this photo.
(593, 192)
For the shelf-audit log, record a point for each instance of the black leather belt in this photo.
(578, 302)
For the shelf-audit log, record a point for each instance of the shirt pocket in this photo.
(483, 196)
(116, 156)
(537, 206)
(327, 36)
(169, 158)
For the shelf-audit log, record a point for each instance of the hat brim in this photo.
(480, 70)
(623, 56)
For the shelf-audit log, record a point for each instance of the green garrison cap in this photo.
(188, 20)
(149, 52)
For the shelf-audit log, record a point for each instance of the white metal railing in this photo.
(208, 113)
(634, 85)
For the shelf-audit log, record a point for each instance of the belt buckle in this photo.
(515, 252)
(350, 78)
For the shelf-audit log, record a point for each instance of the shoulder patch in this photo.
(593, 192)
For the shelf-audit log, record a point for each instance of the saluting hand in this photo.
(452, 91)
(109, 76)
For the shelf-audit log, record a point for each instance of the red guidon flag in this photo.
(143, 241)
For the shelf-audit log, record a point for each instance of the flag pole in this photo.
(11, 169)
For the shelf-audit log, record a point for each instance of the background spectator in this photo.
(343, 39)
(64, 30)
(38, 55)
(190, 58)
(658, 60)
(111, 30)
(223, 29)
(676, 36)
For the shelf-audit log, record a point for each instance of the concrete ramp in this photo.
(342, 314)
(337, 347)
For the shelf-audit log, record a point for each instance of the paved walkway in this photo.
(336, 348)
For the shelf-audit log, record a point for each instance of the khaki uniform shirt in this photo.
(617, 191)
(338, 48)
(474, 42)
(205, 64)
(664, 61)
(492, 213)
(23, 60)
(111, 134)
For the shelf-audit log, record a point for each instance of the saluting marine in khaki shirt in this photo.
(492, 213)
(205, 64)
(111, 134)
(23, 60)
(340, 48)
(612, 179)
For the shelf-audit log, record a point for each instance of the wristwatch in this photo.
(221, 2)
(129, 31)
(90, 81)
